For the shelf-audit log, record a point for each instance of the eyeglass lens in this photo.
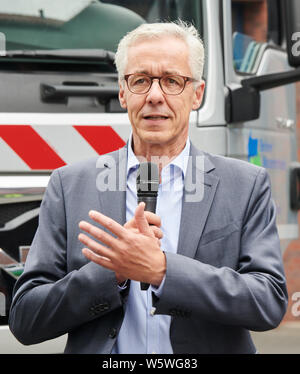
(170, 84)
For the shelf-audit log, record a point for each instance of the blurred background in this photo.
(251, 18)
(60, 105)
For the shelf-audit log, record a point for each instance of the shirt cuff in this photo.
(158, 290)
(122, 286)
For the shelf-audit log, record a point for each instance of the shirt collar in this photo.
(180, 161)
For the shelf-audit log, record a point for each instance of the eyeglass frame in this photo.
(186, 79)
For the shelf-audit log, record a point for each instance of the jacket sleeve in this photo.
(48, 300)
(253, 295)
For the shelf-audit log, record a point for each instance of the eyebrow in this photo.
(168, 72)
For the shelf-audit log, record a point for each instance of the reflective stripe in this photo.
(30, 147)
(102, 138)
(9, 160)
(66, 142)
(47, 147)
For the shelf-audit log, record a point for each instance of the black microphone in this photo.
(147, 182)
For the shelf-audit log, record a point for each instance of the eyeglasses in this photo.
(169, 84)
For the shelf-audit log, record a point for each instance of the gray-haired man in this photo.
(214, 264)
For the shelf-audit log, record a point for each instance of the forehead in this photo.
(164, 54)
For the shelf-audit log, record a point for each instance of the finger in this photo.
(108, 222)
(92, 256)
(98, 233)
(152, 218)
(141, 221)
(134, 231)
(157, 232)
(130, 224)
(95, 247)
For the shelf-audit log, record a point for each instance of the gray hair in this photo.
(179, 29)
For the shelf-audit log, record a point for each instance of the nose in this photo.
(155, 94)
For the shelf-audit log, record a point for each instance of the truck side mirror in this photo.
(291, 10)
(243, 101)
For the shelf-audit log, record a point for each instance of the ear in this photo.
(198, 95)
(122, 96)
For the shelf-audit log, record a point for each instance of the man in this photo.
(213, 263)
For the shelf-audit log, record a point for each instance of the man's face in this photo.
(158, 118)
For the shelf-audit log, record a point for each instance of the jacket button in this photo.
(92, 310)
(103, 307)
(112, 333)
(99, 308)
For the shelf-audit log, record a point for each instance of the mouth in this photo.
(155, 117)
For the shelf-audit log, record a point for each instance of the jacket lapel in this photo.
(111, 184)
(199, 191)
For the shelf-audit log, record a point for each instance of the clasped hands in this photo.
(133, 253)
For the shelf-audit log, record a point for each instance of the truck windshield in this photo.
(35, 25)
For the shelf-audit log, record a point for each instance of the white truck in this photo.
(59, 104)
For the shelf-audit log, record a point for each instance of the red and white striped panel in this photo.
(47, 147)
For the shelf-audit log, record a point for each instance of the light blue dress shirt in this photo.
(142, 331)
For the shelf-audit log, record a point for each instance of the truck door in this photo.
(251, 50)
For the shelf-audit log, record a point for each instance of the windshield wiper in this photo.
(97, 55)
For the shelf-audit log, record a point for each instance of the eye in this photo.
(139, 80)
(173, 81)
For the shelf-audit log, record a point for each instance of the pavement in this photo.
(285, 339)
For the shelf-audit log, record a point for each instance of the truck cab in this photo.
(59, 104)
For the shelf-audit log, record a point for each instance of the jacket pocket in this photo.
(220, 247)
(219, 233)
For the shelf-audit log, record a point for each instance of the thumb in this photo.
(141, 221)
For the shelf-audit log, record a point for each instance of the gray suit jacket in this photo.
(226, 278)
